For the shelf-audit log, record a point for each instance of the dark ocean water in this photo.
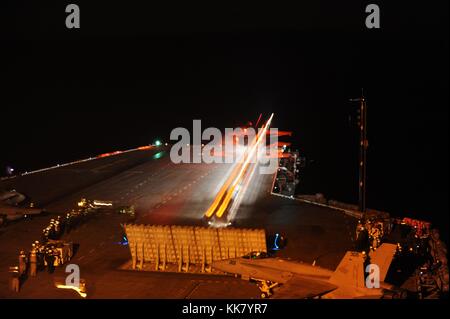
(407, 166)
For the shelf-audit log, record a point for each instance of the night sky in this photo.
(133, 73)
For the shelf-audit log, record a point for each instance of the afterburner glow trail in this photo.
(225, 194)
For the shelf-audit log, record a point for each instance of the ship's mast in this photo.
(363, 144)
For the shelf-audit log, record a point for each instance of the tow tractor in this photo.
(266, 287)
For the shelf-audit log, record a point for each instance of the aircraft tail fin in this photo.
(382, 257)
(350, 271)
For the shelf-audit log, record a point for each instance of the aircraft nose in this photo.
(223, 265)
(218, 264)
